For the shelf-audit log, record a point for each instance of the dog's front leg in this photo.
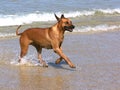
(39, 50)
(59, 59)
(62, 55)
(41, 61)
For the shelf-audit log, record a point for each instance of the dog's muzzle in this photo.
(69, 28)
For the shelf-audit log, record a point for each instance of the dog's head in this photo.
(65, 23)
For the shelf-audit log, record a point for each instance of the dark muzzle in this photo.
(69, 28)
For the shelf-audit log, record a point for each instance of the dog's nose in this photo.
(73, 26)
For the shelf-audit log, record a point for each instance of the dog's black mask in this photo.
(69, 28)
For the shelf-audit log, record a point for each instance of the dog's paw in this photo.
(72, 66)
(45, 64)
(57, 61)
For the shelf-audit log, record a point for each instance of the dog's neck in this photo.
(57, 31)
(59, 28)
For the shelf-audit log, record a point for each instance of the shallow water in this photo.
(96, 56)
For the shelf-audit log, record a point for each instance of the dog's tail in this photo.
(17, 31)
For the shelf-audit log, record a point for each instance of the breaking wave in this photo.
(10, 20)
(97, 28)
(7, 35)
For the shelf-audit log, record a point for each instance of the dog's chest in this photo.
(47, 46)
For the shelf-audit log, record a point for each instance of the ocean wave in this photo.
(85, 29)
(7, 35)
(97, 28)
(10, 20)
(108, 11)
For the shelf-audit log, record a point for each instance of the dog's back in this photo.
(37, 36)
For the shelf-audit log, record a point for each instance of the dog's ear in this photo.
(62, 16)
(57, 17)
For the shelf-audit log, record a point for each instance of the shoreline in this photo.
(74, 32)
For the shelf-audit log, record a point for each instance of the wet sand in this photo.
(96, 56)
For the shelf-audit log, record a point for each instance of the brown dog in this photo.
(49, 38)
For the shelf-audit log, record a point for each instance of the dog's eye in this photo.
(66, 22)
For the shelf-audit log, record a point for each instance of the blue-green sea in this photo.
(87, 15)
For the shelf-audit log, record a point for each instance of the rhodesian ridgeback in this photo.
(49, 38)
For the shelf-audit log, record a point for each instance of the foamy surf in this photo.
(109, 11)
(97, 28)
(17, 19)
(25, 62)
(5, 35)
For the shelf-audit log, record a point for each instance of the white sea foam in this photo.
(97, 28)
(5, 35)
(27, 62)
(9, 20)
(109, 11)
(104, 27)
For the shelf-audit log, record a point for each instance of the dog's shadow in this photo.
(60, 66)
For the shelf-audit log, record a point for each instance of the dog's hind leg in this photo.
(24, 48)
(58, 60)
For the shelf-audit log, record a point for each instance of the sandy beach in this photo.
(96, 56)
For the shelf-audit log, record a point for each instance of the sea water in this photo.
(87, 15)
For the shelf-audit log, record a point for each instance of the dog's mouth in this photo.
(69, 28)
